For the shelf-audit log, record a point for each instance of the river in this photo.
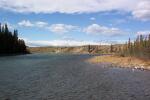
(68, 77)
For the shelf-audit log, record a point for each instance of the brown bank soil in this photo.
(124, 62)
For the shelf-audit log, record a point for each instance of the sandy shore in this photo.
(129, 62)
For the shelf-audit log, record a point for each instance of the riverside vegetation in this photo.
(134, 54)
(139, 48)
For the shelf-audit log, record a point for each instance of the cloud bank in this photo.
(139, 9)
(62, 28)
(93, 29)
(25, 23)
(28, 23)
(96, 29)
(55, 28)
(61, 43)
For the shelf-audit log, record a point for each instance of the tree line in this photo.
(140, 47)
(9, 41)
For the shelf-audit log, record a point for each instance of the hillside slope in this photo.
(78, 49)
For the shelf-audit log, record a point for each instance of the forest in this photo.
(10, 43)
(140, 47)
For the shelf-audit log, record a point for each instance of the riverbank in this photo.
(14, 54)
(124, 62)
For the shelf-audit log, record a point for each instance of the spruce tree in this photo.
(0, 28)
(9, 42)
(139, 48)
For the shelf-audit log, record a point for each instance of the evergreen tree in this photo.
(6, 29)
(0, 28)
(3, 29)
(9, 42)
(111, 48)
(139, 48)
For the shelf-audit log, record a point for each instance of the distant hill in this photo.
(76, 49)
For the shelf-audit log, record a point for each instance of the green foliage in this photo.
(139, 48)
(9, 42)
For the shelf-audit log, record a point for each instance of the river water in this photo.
(68, 77)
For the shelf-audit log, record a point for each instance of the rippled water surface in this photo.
(68, 77)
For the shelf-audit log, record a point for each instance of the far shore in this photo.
(123, 62)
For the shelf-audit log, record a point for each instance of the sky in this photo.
(76, 22)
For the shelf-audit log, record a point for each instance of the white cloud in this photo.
(41, 24)
(61, 28)
(55, 28)
(115, 41)
(61, 43)
(66, 6)
(143, 33)
(96, 29)
(25, 23)
(140, 9)
(92, 18)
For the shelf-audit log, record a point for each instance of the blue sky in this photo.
(79, 22)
